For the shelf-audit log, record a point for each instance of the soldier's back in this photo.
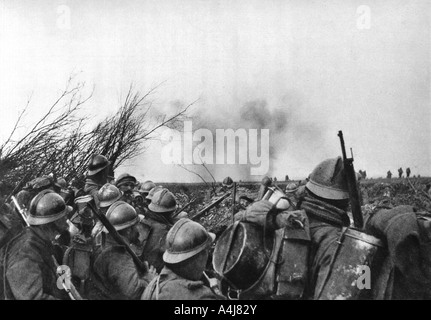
(170, 286)
(154, 242)
(28, 268)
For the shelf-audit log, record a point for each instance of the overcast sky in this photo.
(358, 66)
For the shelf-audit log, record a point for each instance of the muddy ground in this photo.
(400, 191)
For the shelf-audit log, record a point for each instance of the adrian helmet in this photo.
(186, 239)
(328, 180)
(47, 207)
(97, 164)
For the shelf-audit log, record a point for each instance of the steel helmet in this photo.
(328, 180)
(97, 164)
(146, 187)
(61, 182)
(47, 207)
(163, 201)
(121, 215)
(291, 187)
(41, 183)
(24, 198)
(108, 194)
(153, 191)
(186, 239)
(125, 178)
(228, 182)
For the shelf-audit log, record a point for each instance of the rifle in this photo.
(183, 207)
(349, 171)
(72, 292)
(21, 211)
(113, 232)
(210, 206)
(233, 202)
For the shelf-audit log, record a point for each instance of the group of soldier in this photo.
(120, 239)
(400, 173)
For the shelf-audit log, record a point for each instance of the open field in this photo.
(400, 192)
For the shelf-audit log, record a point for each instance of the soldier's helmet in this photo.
(227, 182)
(146, 187)
(153, 191)
(121, 215)
(185, 240)
(42, 183)
(328, 180)
(24, 198)
(47, 207)
(125, 178)
(61, 182)
(163, 201)
(291, 187)
(108, 194)
(97, 164)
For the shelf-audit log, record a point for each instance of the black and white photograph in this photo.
(196, 150)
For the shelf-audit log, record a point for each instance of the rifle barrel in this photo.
(210, 206)
(112, 231)
(20, 210)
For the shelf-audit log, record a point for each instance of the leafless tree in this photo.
(59, 142)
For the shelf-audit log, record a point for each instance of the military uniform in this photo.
(154, 239)
(170, 286)
(30, 273)
(406, 270)
(114, 275)
(91, 187)
(326, 222)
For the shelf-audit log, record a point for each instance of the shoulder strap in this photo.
(152, 286)
(292, 271)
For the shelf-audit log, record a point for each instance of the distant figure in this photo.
(286, 178)
(389, 174)
(408, 172)
(364, 174)
(400, 172)
(275, 179)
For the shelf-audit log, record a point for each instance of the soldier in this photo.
(389, 175)
(97, 175)
(325, 202)
(126, 183)
(227, 184)
(65, 191)
(187, 249)
(107, 195)
(408, 172)
(157, 222)
(303, 255)
(114, 274)
(146, 187)
(400, 172)
(151, 193)
(405, 272)
(29, 269)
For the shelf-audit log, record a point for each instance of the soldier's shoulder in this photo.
(188, 289)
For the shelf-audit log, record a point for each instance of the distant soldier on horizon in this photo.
(408, 172)
(400, 172)
(389, 174)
